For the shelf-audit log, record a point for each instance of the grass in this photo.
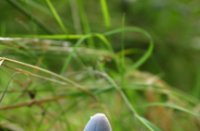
(20, 8)
(56, 81)
(56, 16)
(105, 13)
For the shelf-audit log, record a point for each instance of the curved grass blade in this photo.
(146, 123)
(65, 80)
(80, 41)
(149, 51)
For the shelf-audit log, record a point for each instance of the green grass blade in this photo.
(106, 16)
(57, 76)
(75, 16)
(80, 41)
(121, 65)
(54, 36)
(196, 89)
(149, 51)
(147, 123)
(85, 22)
(56, 16)
(6, 88)
(175, 106)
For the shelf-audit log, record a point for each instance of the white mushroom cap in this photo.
(98, 122)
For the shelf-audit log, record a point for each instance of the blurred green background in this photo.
(173, 24)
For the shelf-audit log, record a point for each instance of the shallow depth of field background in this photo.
(137, 61)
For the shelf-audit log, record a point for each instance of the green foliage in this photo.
(62, 61)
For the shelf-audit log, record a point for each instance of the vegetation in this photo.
(63, 61)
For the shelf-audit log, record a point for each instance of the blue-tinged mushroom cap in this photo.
(98, 122)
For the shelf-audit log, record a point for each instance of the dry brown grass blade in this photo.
(32, 102)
